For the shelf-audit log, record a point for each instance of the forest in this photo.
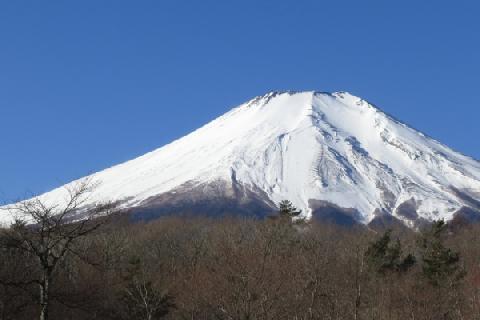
(239, 268)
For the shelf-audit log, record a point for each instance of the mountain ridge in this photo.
(335, 150)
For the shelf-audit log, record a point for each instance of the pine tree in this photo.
(384, 256)
(441, 265)
(286, 209)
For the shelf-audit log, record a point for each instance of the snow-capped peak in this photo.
(308, 147)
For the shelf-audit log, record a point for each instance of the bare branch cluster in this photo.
(47, 232)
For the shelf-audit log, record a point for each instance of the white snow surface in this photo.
(302, 146)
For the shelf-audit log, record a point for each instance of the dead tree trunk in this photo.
(44, 297)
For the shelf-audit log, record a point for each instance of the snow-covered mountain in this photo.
(333, 155)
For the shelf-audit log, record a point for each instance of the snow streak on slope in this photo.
(306, 146)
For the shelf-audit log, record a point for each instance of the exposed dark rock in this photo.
(383, 222)
(465, 216)
(324, 211)
(462, 194)
(218, 198)
(408, 210)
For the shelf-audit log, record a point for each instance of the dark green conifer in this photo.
(286, 209)
(441, 265)
(384, 256)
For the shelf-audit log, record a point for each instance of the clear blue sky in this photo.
(88, 84)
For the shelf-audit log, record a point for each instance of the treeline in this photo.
(234, 268)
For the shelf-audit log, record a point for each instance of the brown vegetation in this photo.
(232, 268)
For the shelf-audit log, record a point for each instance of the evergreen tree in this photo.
(286, 209)
(441, 265)
(384, 256)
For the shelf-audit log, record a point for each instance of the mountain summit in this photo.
(334, 155)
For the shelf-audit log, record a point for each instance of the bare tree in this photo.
(140, 297)
(47, 232)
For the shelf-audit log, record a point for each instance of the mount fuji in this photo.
(334, 155)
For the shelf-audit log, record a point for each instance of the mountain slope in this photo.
(318, 150)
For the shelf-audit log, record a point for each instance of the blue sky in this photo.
(88, 84)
